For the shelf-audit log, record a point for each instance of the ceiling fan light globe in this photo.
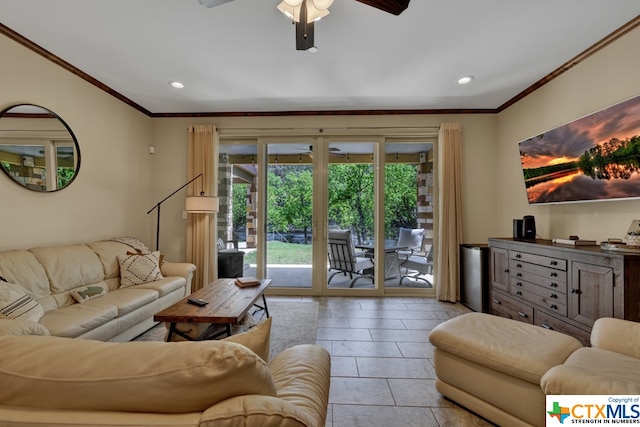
(292, 13)
(314, 14)
(322, 4)
(293, 3)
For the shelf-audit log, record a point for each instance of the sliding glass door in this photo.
(326, 215)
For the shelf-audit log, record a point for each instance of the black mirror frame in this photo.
(73, 137)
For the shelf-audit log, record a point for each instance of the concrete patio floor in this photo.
(299, 276)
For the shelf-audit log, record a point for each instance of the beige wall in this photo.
(604, 79)
(112, 191)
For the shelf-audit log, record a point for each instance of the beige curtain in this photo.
(201, 229)
(449, 211)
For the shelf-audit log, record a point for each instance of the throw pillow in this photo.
(257, 339)
(139, 269)
(88, 293)
(15, 302)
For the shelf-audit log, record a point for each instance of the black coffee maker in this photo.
(524, 228)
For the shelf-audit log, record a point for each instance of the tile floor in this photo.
(382, 371)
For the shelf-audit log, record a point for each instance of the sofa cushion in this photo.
(152, 377)
(87, 293)
(15, 303)
(69, 267)
(256, 339)
(139, 269)
(126, 300)
(76, 319)
(165, 285)
(107, 252)
(594, 371)
(20, 266)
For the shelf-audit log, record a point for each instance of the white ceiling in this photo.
(241, 56)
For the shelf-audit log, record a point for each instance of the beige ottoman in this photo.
(493, 365)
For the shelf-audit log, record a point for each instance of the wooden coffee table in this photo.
(228, 304)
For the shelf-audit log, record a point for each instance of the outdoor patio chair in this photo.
(416, 257)
(343, 257)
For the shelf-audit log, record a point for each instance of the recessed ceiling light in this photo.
(176, 84)
(464, 80)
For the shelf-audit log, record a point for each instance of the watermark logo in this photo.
(592, 409)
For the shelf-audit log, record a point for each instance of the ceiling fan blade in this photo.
(395, 7)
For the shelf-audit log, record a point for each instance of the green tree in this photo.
(401, 197)
(351, 199)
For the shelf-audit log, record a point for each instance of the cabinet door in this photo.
(590, 292)
(500, 269)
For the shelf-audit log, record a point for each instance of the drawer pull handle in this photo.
(544, 325)
(575, 291)
(518, 274)
(518, 256)
(521, 314)
(553, 306)
(554, 262)
(519, 293)
(554, 274)
(495, 301)
(518, 265)
(506, 270)
(554, 296)
(519, 284)
(554, 285)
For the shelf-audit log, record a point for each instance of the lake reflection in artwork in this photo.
(596, 157)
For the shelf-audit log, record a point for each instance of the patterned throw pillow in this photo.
(88, 293)
(139, 269)
(15, 302)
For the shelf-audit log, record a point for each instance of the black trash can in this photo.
(230, 263)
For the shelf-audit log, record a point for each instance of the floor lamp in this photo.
(193, 204)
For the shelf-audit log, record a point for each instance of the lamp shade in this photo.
(201, 204)
(313, 13)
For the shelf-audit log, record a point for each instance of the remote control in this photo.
(197, 301)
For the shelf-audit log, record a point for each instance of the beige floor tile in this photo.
(335, 334)
(343, 367)
(360, 391)
(358, 314)
(329, 419)
(410, 392)
(457, 416)
(399, 336)
(380, 416)
(382, 367)
(333, 322)
(377, 323)
(416, 349)
(424, 324)
(382, 304)
(365, 348)
(325, 344)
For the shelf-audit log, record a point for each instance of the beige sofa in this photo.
(52, 381)
(79, 291)
(502, 369)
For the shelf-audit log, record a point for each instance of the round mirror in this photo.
(38, 150)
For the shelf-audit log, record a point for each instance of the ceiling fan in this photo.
(333, 151)
(305, 13)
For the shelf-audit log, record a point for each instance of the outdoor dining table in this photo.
(391, 259)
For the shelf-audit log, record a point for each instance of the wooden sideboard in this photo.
(564, 288)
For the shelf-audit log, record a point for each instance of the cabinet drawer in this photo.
(551, 284)
(541, 291)
(520, 269)
(542, 297)
(504, 306)
(549, 322)
(557, 263)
